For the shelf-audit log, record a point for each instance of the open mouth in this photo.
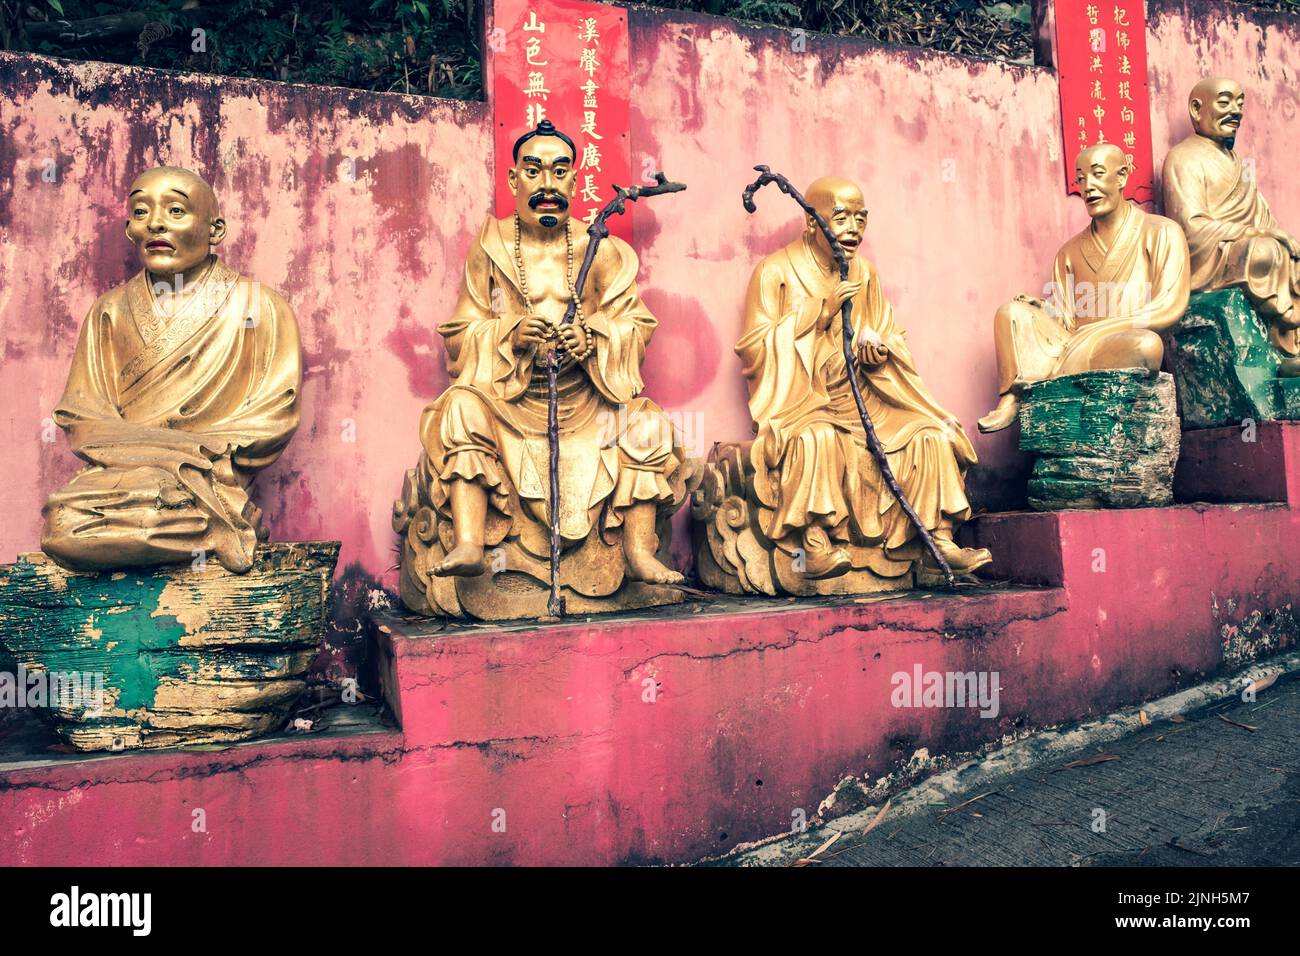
(548, 203)
(159, 245)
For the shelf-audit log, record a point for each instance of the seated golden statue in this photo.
(474, 514)
(1233, 237)
(1116, 286)
(184, 385)
(804, 509)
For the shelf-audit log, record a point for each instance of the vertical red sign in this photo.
(1101, 48)
(565, 61)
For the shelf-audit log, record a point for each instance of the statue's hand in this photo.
(533, 330)
(847, 289)
(573, 339)
(872, 356)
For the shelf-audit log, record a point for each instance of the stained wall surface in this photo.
(360, 206)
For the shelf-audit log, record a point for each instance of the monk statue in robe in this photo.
(820, 497)
(474, 513)
(1116, 287)
(1233, 237)
(184, 386)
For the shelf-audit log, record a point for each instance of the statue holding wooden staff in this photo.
(544, 357)
(855, 480)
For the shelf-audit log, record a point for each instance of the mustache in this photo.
(536, 199)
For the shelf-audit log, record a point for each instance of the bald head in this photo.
(1106, 154)
(184, 181)
(1210, 88)
(1101, 172)
(172, 220)
(1216, 105)
(830, 191)
(841, 204)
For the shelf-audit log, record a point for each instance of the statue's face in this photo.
(543, 182)
(1101, 172)
(171, 219)
(845, 211)
(1216, 107)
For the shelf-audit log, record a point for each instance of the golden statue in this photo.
(1116, 286)
(474, 514)
(1233, 237)
(184, 385)
(804, 508)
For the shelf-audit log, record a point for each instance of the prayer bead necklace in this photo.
(579, 318)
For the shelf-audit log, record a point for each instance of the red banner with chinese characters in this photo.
(567, 62)
(1101, 48)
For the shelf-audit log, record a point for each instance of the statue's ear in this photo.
(512, 180)
(217, 231)
(1194, 108)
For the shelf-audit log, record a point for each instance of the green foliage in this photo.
(433, 46)
(408, 46)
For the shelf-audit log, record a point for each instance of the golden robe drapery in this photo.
(1209, 192)
(1139, 282)
(810, 458)
(490, 425)
(175, 414)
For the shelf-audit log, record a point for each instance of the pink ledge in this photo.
(668, 736)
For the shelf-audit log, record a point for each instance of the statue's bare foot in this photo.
(464, 560)
(644, 566)
(1008, 408)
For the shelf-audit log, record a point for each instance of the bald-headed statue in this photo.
(1233, 237)
(473, 515)
(184, 386)
(1115, 288)
(818, 506)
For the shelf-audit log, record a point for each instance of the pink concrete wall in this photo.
(958, 159)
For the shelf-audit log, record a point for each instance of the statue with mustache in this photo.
(1234, 240)
(473, 516)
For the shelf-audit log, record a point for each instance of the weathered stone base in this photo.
(1224, 366)
(515, 586)
(734, 556)
(1106, 439)
(170, 656)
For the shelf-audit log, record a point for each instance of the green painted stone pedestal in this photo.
(165, 657)
(1105, 439)
(1224, 366)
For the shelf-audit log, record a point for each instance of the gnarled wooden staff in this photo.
(850, 358)
(596, 232)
